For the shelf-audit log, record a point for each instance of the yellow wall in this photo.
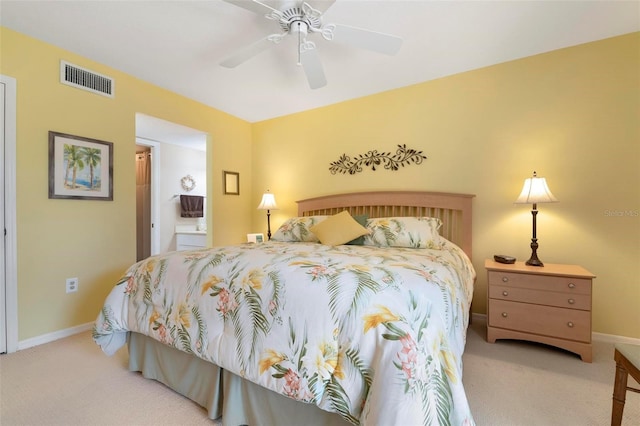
(573, 115)
(95, 240)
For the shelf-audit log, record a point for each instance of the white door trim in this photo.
(11, 251)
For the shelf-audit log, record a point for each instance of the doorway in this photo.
(164, 137)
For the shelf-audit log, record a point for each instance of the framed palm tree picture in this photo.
(80, 168)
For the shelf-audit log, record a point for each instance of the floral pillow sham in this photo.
(411, 232)
(298, 229)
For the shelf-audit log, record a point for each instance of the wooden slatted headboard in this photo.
(453, 209)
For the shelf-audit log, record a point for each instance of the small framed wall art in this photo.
(231, 182)
(80, 168)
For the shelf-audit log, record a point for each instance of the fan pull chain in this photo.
(299, 45)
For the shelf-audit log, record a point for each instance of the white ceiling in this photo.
(178, 44)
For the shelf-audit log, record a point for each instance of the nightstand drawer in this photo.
(541, 297)
(541, 282)
(544, 320)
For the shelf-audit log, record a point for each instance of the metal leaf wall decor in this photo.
(403, 156)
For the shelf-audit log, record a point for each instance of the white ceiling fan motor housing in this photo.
(296, 14)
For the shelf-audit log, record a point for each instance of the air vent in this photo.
(84, 79)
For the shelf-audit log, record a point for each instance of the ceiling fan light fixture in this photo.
(299, 27)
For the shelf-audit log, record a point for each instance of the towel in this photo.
(192, 206)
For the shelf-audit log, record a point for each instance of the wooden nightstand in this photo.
(549, 304)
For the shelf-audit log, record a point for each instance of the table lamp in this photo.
(535, 191)
(268, 203)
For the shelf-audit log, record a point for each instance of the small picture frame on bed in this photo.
(255, 238)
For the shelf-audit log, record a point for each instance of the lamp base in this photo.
(268, 226)
(534, 262)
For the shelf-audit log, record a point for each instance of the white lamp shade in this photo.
(534, 191)
(268, 202)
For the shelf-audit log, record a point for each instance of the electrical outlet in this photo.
(72, 285)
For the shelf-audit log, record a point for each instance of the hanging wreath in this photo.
(188, 183)
(373, 159)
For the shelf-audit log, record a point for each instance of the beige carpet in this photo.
(71, 382)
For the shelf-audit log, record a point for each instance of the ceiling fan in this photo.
(299, 19)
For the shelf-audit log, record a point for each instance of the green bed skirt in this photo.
(222, 394)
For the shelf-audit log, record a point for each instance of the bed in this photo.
(297, 331)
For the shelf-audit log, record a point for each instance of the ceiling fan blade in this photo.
(366, 39)
(253, 5)
(248, 52)
(313, 69)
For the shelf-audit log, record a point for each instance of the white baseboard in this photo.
(612, 338)
(482, 317)
(50, 337)
(601, 337)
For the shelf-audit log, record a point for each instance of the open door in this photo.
(143, 202)
(8, 248)
(147, 226)
(3, 283)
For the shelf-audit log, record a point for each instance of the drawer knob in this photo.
(570, 324)
(571, 301)
(572, 285)
(505, 293)
(505, 279)
(504, 315)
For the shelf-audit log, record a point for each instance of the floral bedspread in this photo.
(374, 334)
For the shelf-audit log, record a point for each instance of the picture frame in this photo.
(255, 238)
(231, 182)
(80, 168)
